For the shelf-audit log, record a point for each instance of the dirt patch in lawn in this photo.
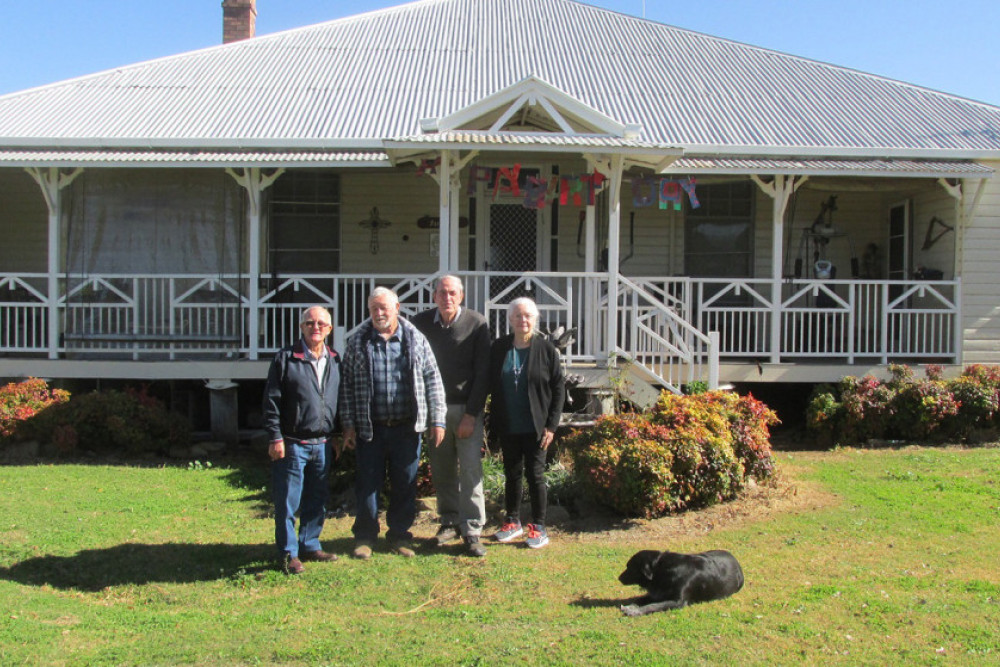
(586, 522)
(757, 503)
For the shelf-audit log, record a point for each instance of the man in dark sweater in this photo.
(460, 340)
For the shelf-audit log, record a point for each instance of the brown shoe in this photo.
(404, 549)
(319, 555)
(362, 551)
(294, 566)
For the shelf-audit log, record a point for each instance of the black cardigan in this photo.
(546, 384)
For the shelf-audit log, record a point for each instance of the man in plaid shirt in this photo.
(391, 394)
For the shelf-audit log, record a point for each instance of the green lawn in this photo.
(871, 557)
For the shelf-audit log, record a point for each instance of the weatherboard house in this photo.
(706, 210)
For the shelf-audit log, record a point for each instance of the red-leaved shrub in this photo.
(686, 451)
(118, 422)
(867, 410)
(22, 401)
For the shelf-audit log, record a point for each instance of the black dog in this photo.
(674, 580)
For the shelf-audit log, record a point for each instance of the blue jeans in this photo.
(396, 450)
(301, 485)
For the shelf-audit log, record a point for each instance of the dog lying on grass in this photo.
(674, 580)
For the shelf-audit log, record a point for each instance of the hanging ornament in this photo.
(374, 223)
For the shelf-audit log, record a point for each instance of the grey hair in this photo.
(304, 315)
(383, 291)
(527, 303)
(461, 285)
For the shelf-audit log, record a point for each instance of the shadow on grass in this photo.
(254, 478)
(96, 569)
(591, 603)
(583, 515)
(253, 475)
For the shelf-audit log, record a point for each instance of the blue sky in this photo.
(949, 46)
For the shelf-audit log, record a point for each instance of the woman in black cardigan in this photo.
(527, 389)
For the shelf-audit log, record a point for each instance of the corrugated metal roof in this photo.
(105, 158)
(352, 82)
(521, 140)
(907, 168)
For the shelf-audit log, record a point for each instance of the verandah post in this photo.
(780, 190)
(445, 203)
(254, 182)
(614, 232)
(51, 182)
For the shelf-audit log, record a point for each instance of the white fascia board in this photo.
(532, 86)
(336, 143)
(424, 146)
(592, 116)
(784, 171)
(200, 164)
(503, 98)
(820, 152)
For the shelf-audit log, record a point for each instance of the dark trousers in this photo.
(518, 450)
(396, 450)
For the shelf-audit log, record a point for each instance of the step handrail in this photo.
(688, 337)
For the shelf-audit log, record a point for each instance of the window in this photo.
(304, 223)
(718, 236)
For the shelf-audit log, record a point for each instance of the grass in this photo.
(864, 557)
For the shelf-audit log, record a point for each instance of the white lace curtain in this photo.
(153, 221)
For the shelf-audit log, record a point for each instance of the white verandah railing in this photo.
(206, 316)
(844, 320)
(23, 312)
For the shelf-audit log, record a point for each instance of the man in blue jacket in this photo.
(300, 408)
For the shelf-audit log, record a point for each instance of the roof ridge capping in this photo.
(569, 113)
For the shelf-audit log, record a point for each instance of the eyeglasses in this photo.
(314, 323)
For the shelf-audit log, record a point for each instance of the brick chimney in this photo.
(239, 20)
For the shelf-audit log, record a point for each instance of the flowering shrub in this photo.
(921, 408)
(21, 401)
(863, 410)
(125, 422)
(749, 423)
(858, 411)
(979, 403)
(686, 451)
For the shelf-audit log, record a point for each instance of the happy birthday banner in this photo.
(649, 191)
(571, 189)
(537, 191)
